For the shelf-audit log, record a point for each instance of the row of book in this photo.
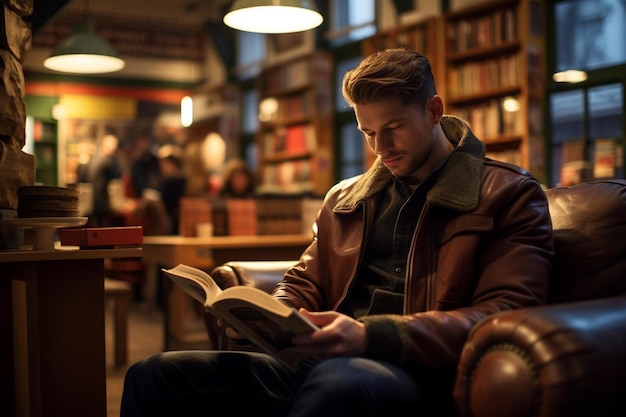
(576, 168)
(414, 39)
(294, 75)
(294, 139)
(248, 216)
(289, 177)
(511, 156)
(288, 108)
(493, 118)
(483, 31)
(480, 76)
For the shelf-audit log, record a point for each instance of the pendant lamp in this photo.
(84, 53)
(570, 76)
(273, 16)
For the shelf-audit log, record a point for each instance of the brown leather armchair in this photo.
(567, 358)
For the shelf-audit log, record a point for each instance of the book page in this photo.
(255, 296)
(194, 282)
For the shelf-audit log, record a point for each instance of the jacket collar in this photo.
(458, 185)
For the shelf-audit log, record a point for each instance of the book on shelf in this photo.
(483, 31)
(194, 211)
(605, 158)
(279, 215)
(242, 216)
(575, 168)
(511, 156)
(252, 312)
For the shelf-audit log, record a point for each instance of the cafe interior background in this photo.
(179, 51)
(246, 91)
(181, 48)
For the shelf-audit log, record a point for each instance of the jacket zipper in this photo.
(430, 279)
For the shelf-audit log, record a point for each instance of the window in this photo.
(586, 133)
(352, 151)
(590, 34)
(586, 120)
(348, 139)
(566, 110)
(351, 20)
(251, 52)
(250, 125)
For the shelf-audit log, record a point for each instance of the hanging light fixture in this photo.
(273, 16)
(84, 52)
(570, 76)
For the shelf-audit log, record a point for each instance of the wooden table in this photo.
(206, 253)
(52, 346)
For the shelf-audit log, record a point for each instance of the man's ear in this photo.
(435, 109)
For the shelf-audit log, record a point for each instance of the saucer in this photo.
(44, 228)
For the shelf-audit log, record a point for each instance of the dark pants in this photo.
(218, 383)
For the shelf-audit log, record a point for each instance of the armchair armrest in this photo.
(556, 360)
(261, 274)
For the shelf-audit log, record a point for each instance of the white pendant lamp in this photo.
(84, 53)
(570, 76)
(273, 16)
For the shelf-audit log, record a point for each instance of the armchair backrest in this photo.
(589, 222)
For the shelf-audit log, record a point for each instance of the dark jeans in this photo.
(219, 383)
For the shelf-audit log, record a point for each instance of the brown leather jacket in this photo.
(483, 244)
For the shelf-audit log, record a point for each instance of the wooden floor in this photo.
(145, 337)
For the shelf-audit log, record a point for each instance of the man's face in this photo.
(402, 135)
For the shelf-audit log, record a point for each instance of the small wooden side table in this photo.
(52, 346)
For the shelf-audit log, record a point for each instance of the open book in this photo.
(255, 314)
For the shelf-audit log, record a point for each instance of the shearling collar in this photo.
(457, 187)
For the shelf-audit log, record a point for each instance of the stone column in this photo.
(16, 167)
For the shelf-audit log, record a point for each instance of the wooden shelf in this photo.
(294, 138)
(494, 61)
(483, 95)
(485, 52)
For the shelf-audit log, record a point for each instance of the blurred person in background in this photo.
(102, 168)
(173, 183)
(144, 169)
(238, 180)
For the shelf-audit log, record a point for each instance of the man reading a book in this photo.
(407, 258)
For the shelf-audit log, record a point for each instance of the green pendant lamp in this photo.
(84, 53)
(273, 16)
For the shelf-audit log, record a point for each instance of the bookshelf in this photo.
(45, 149)
(494, 60)
(294, 140)
(419, 36)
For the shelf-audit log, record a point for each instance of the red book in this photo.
(94, 237)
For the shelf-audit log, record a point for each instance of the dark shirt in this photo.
(379, 285)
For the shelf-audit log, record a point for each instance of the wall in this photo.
(16, 167)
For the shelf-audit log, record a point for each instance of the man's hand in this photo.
(340, 335)
(230, 332)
